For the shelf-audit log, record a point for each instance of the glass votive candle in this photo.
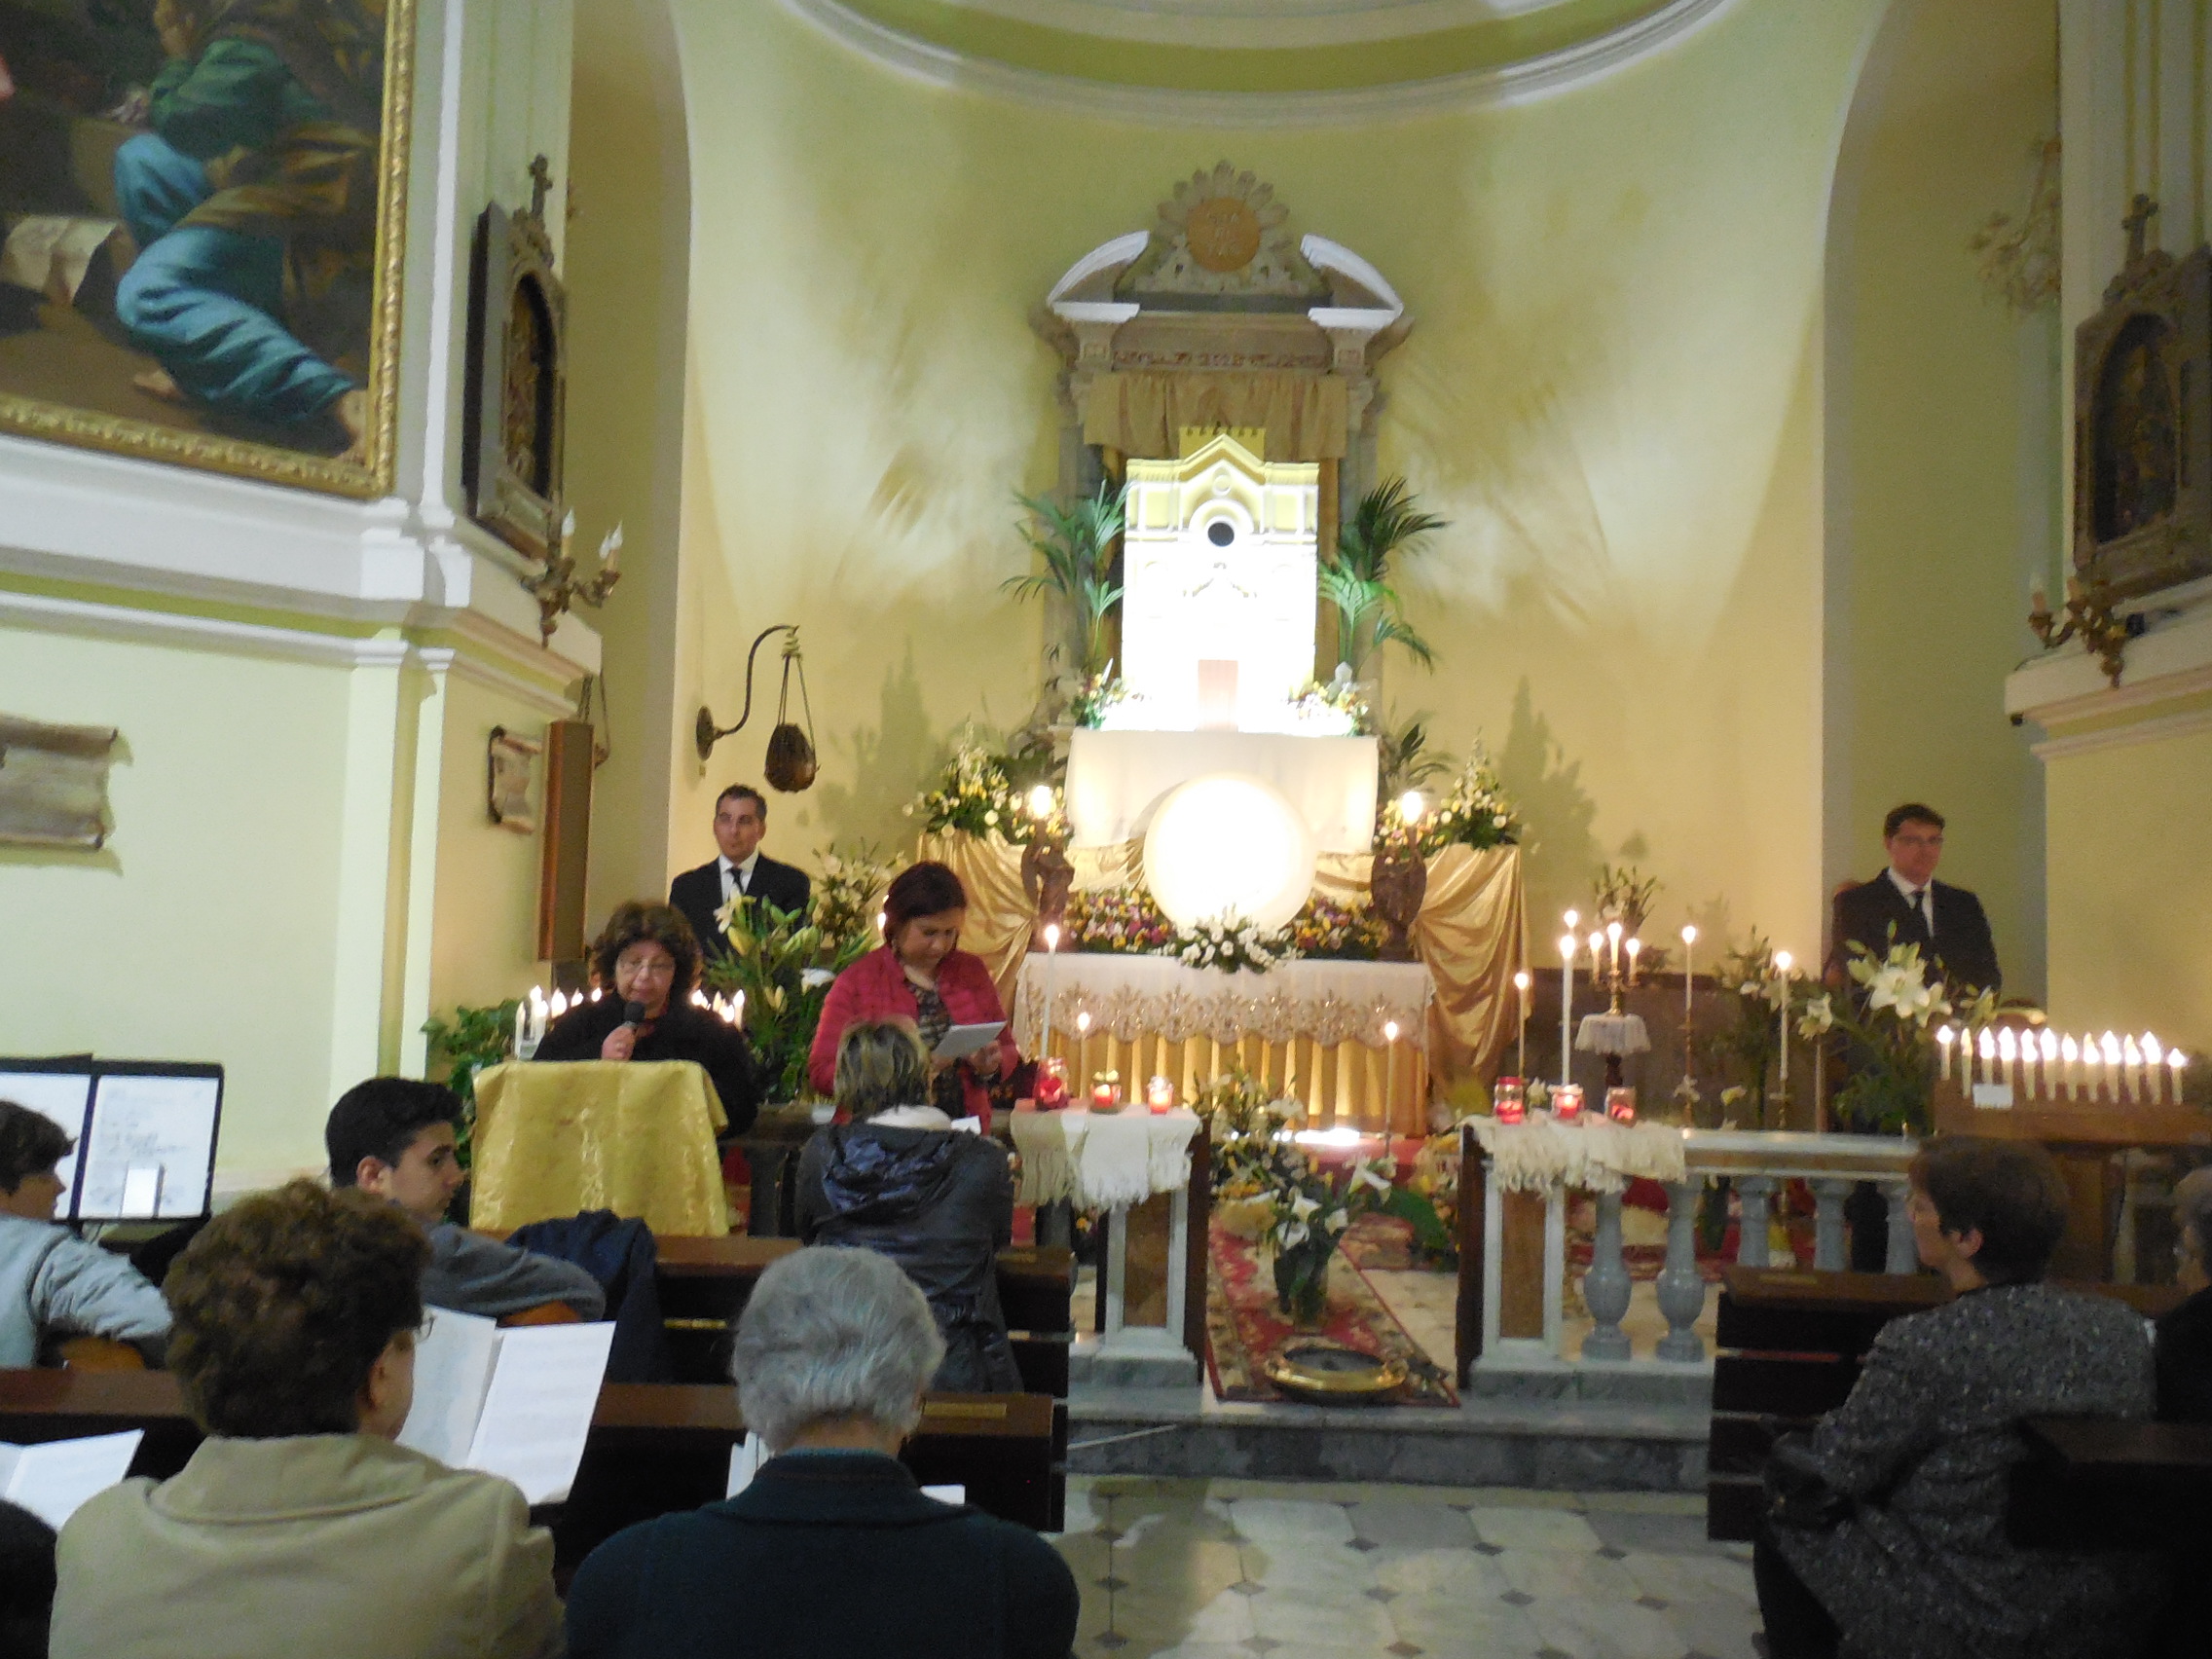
(1567, 1102)
(1620, 1105)
(1052, 1084)
(1105, 1091)
(1509, 1100)
(1159, 1094)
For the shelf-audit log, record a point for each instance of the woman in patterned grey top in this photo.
(1918, 1457)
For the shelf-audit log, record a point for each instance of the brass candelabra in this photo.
(556, 587)
(2090, 618)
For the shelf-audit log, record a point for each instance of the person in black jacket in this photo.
(1905, 905)
(831, 1550)
(2185, 1333)
(898, 1179)
(647, 963)
(740, 870)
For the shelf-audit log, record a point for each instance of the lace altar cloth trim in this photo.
(1101, 1160)
(1612, 1034)
(1592, 1153)
(1141, 996)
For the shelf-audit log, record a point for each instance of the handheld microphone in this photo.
(633, 1013)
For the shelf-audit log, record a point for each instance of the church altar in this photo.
(1116, 777)
(1315, 1030)
(1102, 1160)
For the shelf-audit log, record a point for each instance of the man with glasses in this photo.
(740, 870)
(1905, 905)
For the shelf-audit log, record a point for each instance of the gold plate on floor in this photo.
(1323, 1373)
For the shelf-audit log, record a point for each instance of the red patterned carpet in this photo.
(1242, 1326)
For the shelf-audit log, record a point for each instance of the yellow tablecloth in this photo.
(636, 1138)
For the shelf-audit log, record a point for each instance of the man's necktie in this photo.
(1918, 898)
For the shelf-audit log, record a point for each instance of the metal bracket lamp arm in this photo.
(705, 733)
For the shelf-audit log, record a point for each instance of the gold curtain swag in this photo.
(1143, 411)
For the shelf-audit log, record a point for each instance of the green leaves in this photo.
(1356, 580)
(1076, 544)
(785, 962)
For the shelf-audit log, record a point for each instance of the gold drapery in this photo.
(1472, 936)
(1144, 411)
(634, 1137)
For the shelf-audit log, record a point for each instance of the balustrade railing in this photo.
(1513, 1278)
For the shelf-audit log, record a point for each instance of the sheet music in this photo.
(538, 1410)
(63, 1097)
(137, 1121)
(54, 1480)
(453, 1371)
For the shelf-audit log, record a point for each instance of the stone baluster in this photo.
(1682, 1288)
(1606, 1286)
(1830, 1253)
(1903, 1255)
(1756, 1193)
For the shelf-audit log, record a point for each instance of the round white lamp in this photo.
(1229, 843)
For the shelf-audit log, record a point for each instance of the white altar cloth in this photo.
(1099, 1160)
(1114, 779)
(1157, 996)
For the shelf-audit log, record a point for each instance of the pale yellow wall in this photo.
(1611, 389)
(204, 930)
(485, 940)
(1943, 455)
(2131, 887)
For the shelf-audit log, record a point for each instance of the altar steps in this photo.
(1508, 1432)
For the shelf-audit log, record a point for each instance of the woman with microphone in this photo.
(648, 961)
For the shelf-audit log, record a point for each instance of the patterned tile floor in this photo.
(1234, 1570)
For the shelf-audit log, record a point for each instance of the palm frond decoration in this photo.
(1386, 525)
(1077, 545)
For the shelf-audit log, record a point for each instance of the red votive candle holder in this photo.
(1509, 1100)
(1620, 1105)
(1052, 1086)
(1567, 1102)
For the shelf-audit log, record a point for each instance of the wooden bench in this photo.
(1788, 1347)
(655, 1448)
(704, 1285)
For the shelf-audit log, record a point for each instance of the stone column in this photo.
(1757, 1195)
(1606, 1286)
(1903, 1254)
(1830, 1254)
(1682, 1288)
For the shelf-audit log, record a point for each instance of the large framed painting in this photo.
(201, 204)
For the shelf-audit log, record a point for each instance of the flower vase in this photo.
(1302, 1283)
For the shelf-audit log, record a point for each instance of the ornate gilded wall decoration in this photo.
(518, 369)
(510, 777)
(201, 216)
(2020, 259)
(2143, 422)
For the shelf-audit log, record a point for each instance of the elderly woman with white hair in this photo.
(833, 1549)
(2185, 1333)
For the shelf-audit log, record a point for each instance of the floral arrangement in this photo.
(1246, 1124)
(476, 1038)
(785, 962)
(1476, 812)
(982, 793)
(1332, 707)
(848, 893)
(1890, 1025)
(1118, 921)
(1228, 942)
(1343, 933)
(1096, 695)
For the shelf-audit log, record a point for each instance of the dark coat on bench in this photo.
(1921, 1568)
(826, 1555)
(2185, 1361)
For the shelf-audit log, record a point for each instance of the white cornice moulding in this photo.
(2160, 729)
(1351, 106)
(1202, 24)
(2174, 660)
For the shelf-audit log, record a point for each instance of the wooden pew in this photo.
(653, 1449)
(704, 1283)
(1789, 1345)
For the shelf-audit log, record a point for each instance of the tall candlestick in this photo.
(1082, 1052)
(1389, 1076)
(1689, 988)
(1568, 946)
(1781, 961)
(1051, 949)
(1521, 984)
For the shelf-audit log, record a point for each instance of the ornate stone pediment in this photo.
(1223, 233)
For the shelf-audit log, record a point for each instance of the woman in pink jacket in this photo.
(922, 975)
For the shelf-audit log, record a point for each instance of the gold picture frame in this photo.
(330, 458)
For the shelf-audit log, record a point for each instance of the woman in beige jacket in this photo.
(299, 1526)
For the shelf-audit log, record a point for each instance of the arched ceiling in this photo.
(1265, 50)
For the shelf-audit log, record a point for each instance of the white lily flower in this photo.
(1366, 1172)
(1302, 1207)
(811, 978)
(1293, 1236)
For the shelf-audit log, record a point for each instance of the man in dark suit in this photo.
(1947, 922)
(742, 871)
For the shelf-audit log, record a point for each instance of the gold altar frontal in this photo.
(1383, 1090)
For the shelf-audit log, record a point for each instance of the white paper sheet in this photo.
(947, 1494)
(53, 1479)
(745, 1460)
(453, 1371)
(142, 1120)
(965, 1039)
(63, 1097)
(539, 1406)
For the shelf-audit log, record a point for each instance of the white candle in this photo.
(2109, 1046)
(1568, 946)
(2047, 1043)
(2175, 1060)
(2070, 1051)
(1986, 1052)
(560, 1004)
(1613, 940)
(2007, 1058)
(1051, 949)
(1521, 984)
(1781, 960)
(2131, 1071)
(1081, 1053)
(1635, 948)
(522, 1024)
(2155, 1068)
(739, 1021)
(1944, 1038)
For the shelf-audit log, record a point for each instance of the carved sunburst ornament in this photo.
(1224, 232)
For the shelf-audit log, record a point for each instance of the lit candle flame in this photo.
(1052, 936)
(1781, 963)
(1689, 935)
(1988, 1043)
(1390, 1030)
(1573, 920)
(1568, 944)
